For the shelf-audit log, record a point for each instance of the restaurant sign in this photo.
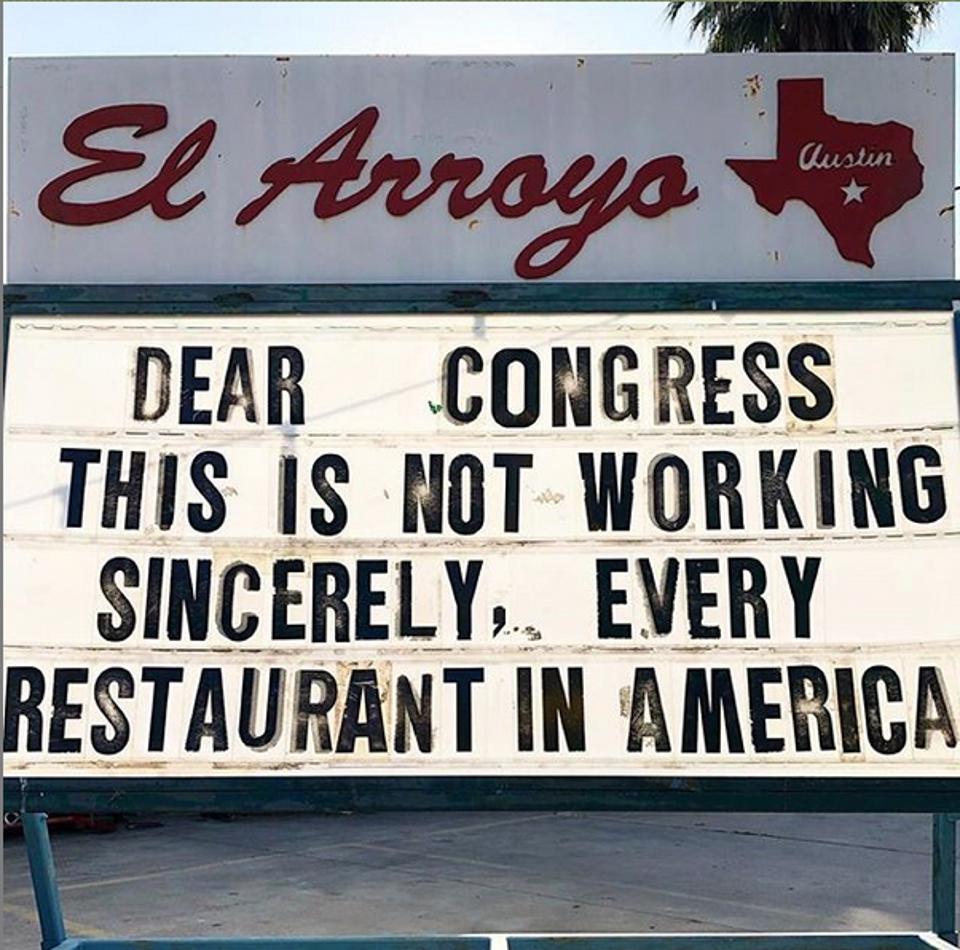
(425, 169)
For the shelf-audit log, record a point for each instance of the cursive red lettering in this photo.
(403, 172)
(601, 209)
(530, 171)
(669, 171)
(518, 188)
(331, 174)
(145, 118)
(465, 172)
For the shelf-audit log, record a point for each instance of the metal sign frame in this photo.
(34, 797)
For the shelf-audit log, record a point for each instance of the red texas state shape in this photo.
(852, 174)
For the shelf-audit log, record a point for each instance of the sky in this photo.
(209, 27)
(40, 29)
(80, 28)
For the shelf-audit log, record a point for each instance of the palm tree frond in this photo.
(806, 26)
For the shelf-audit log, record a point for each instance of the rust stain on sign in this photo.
(549, 497)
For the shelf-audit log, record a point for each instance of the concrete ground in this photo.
(480, 873)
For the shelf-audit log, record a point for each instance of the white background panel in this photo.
(704, 109)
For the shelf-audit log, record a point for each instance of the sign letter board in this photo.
(443, 544)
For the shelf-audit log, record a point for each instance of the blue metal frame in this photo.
(622, 297)
(816, 941)
(288, 943)
(481, 793)
(35, 796)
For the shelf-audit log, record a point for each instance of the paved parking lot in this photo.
(473, 872)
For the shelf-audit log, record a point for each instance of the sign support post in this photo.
(43, 873)
(945, 877)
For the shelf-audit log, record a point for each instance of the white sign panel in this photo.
(583, 544)
(358, 169)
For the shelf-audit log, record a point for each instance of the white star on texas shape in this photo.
(853, 191)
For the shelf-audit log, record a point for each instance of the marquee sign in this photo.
(597, 545)
(349, 169)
